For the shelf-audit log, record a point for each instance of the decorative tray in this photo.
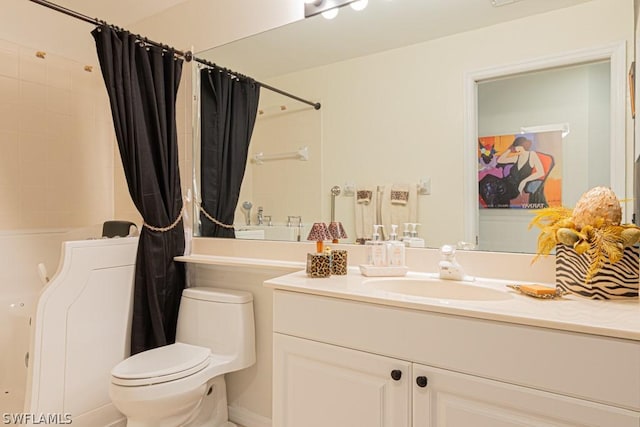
(538, 291)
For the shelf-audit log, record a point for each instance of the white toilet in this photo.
(182, 384)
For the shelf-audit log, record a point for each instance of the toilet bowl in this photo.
(183, 384)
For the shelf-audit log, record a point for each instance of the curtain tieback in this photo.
(212, 219)
(165, 229)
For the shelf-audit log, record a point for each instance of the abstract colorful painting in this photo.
(521, 171)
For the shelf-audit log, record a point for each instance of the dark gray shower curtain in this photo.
(142, 83)
(228, 113)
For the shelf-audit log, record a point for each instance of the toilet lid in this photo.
(161, 364)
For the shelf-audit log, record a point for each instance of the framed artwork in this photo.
(520, 171)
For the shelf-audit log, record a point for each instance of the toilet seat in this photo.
(162, 364)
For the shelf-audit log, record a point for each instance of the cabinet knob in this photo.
(422, 381)
(396, 374)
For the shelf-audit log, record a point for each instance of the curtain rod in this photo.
(188, 56)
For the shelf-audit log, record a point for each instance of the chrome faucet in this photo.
(449, 268)
(260, 215)
(290, 217)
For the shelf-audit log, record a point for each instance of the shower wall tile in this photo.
(58, 100)
(9, 59)
(9, 118)
(58, 74)
(31, 119)
(9, 168)
(10, 89)
(56, 142)
(32, 68)
(33, 95)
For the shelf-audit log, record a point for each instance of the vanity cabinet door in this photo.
(320, 385)
(449, 399)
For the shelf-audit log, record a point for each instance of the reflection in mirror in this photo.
(575, 100)
(395, 109)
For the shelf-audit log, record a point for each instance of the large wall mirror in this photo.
(407, 88)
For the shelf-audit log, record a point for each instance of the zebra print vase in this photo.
(612, 281)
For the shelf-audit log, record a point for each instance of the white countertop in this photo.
(612, 318)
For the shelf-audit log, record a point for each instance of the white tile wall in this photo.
(56, 142)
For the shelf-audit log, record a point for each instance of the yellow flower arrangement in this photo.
(592, 227)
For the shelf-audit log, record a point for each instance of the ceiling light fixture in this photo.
(498, 3)
(359, 4)
(331, 13)
(329, 8)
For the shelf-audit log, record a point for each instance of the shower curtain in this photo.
(229, 106)
(142, 83)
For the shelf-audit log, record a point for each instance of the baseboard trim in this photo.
(246, 418)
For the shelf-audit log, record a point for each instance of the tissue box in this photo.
(339, 262)
(318, 265)
(612, 281)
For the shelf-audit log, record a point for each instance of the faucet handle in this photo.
(448, 251)
(290, 217)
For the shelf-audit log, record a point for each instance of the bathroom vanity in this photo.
(351, 351)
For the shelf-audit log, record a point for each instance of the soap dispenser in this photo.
(395, 249)
(376, 249)
(415, 241)
(406, 234)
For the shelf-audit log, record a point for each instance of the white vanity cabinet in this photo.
(451, 399)
(345, 363)
(320, 385)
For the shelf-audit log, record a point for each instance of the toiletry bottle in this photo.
(376, 249)
(406, 234)
(415, 242)
(395, 249)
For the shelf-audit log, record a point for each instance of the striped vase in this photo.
(613, 281)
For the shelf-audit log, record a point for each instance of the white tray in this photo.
(378, 271)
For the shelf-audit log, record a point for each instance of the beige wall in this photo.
(203, 24)
(378, 130)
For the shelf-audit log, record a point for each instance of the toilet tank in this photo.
(221, 320)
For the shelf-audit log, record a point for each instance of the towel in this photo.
(364, 196)
(399, 204)
(366, 201)
(399, 194)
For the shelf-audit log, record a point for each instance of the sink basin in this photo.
(435, 288)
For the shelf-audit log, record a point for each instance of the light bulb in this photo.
(359, 4)
(331, 13)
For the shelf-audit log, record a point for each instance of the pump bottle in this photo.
(415, 241)
(395, 249)
(376, 249)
